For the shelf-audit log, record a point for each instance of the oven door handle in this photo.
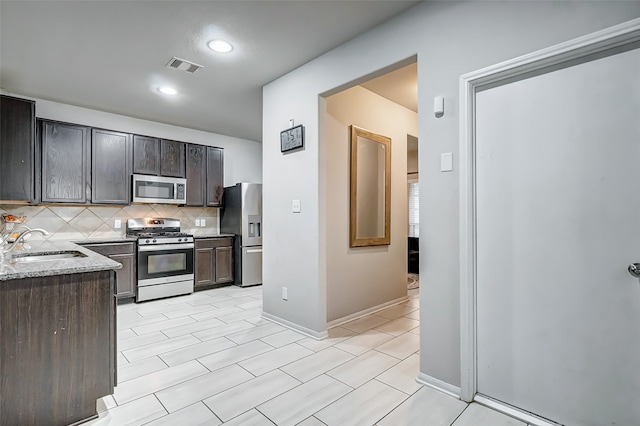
(158, 247)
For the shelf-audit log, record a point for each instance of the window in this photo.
(414, 210)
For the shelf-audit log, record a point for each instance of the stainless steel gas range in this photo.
(165, 258)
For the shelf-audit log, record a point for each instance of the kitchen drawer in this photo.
(213, 242)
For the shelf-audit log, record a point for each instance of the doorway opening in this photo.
(363, 280)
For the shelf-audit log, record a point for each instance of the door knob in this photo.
(634, 269)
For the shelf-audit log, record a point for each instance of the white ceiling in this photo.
(111, 55)
(399, 86)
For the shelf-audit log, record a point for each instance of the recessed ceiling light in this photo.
(168, 90)
(220, 46)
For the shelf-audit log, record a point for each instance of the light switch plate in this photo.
(117, 224)
(285, 296)
(446, 161)
(295, 206)
(197, 222)
(203, 222)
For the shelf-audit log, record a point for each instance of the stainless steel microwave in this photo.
(159, 189)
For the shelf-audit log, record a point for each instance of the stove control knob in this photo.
(155, 241)
(179, 239)
(147, 241)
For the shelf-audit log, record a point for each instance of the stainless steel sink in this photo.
(45, 257)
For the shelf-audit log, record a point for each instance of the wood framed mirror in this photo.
(370, 185)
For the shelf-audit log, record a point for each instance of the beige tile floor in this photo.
(209, 359)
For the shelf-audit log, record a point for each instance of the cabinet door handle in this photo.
(254, 250)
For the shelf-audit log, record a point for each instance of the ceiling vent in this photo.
(183, 65)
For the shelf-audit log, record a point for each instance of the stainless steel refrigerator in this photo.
(242, 215)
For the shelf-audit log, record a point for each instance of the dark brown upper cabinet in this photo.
(196, 174)
(205, 176)
(17, 149)
(146, 155)
(157, 157)
(172, 158)
(215, 177)
(111, 154)
(65, 163)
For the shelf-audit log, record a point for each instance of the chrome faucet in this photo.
(4, 237)
(21, 237)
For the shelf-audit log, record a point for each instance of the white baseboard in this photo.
(454, 391)
(513, 412)
(438, 385)
(368, 311)
(306, 331)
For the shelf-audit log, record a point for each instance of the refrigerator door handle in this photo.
(259, 250)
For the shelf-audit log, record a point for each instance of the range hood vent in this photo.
(184, 65)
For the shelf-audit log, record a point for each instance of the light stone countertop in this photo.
(91, 263)
(107, 240)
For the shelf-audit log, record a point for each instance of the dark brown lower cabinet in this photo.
(124, 253)
(214, 262)
(57, 351)
(224, 264)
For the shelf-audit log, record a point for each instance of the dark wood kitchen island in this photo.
(57, 338)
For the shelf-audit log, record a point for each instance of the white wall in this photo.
(242, 158)
(364, 277)
(450, 38)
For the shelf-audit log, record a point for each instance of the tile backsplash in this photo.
(76, 223)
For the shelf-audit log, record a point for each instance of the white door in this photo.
(558, 223)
